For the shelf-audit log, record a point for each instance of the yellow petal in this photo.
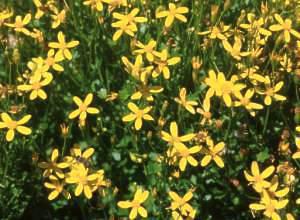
(87, 192)
(124, 204)
(78, 189)
(133, 213)
(143, 212)
(129, 117)
(53, 195)
(138, 123)
(74, 114)
(24, 130)
(206, 159)
(92, 110)
(10, 135)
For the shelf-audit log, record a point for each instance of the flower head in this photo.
(12, 126)
(137, 115)
(140, 197)
(83, 107)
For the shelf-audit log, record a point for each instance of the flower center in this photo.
(82, 108)
(12, 124)
(36, 86)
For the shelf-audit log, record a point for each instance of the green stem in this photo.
(266, 120)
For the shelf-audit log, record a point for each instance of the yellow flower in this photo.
(52, 61)
(127, 23)
(216, 32)
(145, 91)
(257, 178)
(296, 155)
(58, 18)
(83, 107)
(271, 91)
(136, 69)
(13, 125)
(39, 6)
(270, 206)
(19, 25)
(181, 203)
(286, 27)
(188, 105)
(94, 4)
(185, 155)
(63, 47)
(235, 50)
(219, 86)
(147, 49)
(57, 187)
(53, 165)
(255, 26)
(212, 153)
(38, 35)
(173, 13)
(36, 82)
(272, 190)
(246, 101)
(205, 112)
(173, 139)
(115, 4)
(137, 115)
(4, 15)
(163, 62)
(140, 197)
(80, 176)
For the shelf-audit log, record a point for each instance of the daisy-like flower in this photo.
(173, 139)
(137, 69)
(255, 25)
(39, 6)
(81, 177)
(63, 46)
(83, 107)
(115, 4)
(286, 27)
(53, 166)
(94, 4)
(140, 197)
(235, 50)
(181, 203)
(185, 155)
(205, 112)
(58, 18)
(4, 15)
(52, 61)
(269, 205)
(216, 32)
(127, 23)
(296, 155)
(57, 187)
(137, 115)
(270, 91)
(19, 25)
(147, 49)
(221, 87)
(173, 13)
(257, 179)
(145, 91)
(212, 153)
(12, 125)
(36, 82)
(163, 63)
(246, 101)
(187, 104)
